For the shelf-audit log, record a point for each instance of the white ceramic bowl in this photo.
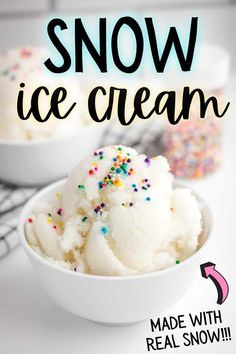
(32, 163)
(114, 300)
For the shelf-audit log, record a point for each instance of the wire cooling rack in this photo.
(13, 198)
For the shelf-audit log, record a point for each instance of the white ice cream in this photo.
(26, 65)
(119, 215)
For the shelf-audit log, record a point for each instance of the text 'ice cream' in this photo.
(118, 214)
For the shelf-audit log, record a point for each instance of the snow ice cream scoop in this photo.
(118, 214)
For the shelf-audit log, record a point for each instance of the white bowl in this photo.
(32, 163)
(114, 300)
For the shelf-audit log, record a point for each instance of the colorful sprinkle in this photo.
(97, 209)
(104, 230)
(84, 218)
(177, 261)
(30, 220)
(131, 172)
(147, 160)
(148, 199)
(25, 53)
(118, 183)
(81, 187)
(59, 211)
(127, 204)
(60, 225)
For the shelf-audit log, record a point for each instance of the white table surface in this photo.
(30, 323)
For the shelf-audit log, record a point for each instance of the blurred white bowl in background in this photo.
(32, 163)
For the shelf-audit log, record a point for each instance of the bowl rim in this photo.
(36, 142)
(21, 232)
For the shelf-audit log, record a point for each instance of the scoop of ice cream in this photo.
(26, 65)
(119, 214)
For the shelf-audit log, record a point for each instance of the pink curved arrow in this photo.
(208, 271)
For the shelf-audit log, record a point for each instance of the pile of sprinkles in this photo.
(119, 169)
(193, 148)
